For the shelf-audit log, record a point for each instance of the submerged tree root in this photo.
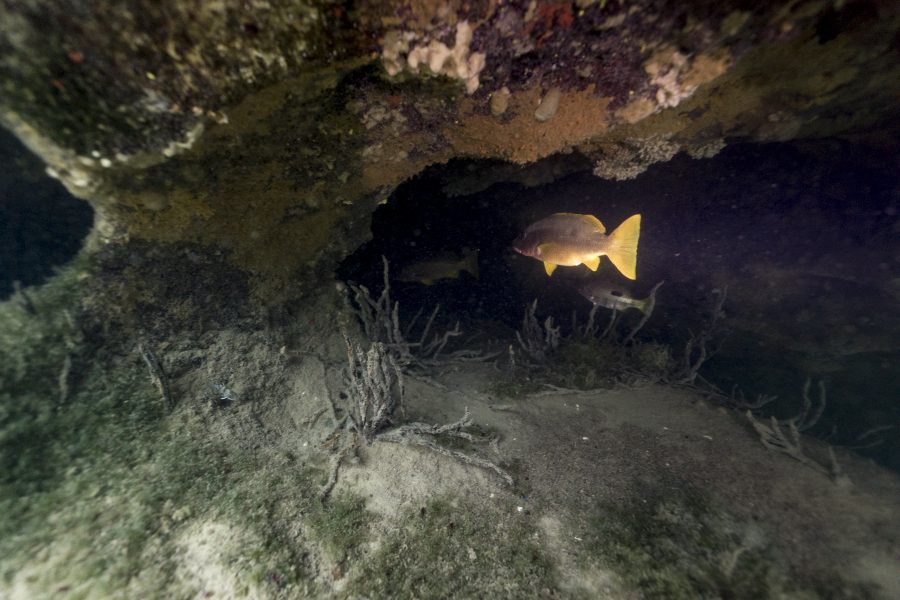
(415, 434)
(375, 392)
(423, 434)
(157, 374)
(336, 463)
(774, 438)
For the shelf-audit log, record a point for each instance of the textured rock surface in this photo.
(291, 122)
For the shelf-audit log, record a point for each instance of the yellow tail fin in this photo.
(622, 246)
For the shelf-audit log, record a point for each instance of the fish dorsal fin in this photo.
(549, 267)
(591, 220)
(594, 221)
(592, 263)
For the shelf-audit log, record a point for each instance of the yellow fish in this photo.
(570, 239)
(444, 266)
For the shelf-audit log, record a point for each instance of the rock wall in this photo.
(269, 132)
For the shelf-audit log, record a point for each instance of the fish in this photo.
(609, 295)
(570, 239)
(441, 266)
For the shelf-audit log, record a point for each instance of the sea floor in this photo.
(632, 492)
(652, 487)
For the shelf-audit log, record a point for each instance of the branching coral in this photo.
(773, 436)
(425, 435)
(697, 349)
(380, 319)
(376, 384)
(376, 389)
(537, 340)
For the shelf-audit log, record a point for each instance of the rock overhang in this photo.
(271, 134)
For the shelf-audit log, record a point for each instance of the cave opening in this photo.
(803, 236)
(42, 226)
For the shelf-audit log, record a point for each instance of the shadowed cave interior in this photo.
(800, 235)
(42, 226)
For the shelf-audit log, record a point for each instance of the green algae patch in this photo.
(513, 385)
(106, 493)
(672, 542)
(171, 511)
(587, 364)
(47, 371)
(447, 549)
(341, 524)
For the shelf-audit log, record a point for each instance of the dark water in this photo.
(41, 224)
(805, 237)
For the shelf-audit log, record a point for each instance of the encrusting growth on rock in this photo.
(408, 50)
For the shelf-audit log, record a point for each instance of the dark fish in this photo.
(571, 239)
(443, 266)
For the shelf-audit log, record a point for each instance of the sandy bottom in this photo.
(575, 452)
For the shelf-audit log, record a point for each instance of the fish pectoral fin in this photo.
(592, 263)
(549, 267)
(546, 247)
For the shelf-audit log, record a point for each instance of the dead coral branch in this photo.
(376, 387)
(774, 438)
(809, 414)
(380, 319)
(537, 340)
(425, 435)
(773, 435)
(375, 391)
(157, 375)
(696, 350)
(591, 330)
(648, 312)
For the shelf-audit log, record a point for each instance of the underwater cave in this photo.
(801, 237)
(451, 300)
(42, 226)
